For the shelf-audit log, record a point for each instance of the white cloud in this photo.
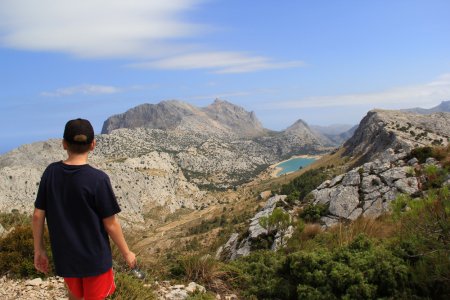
(95, 28)
(423, 95)
(85, 89)
(150, 30)
(219, 62)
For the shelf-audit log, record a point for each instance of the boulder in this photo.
(345, 200)
(371, 183)
(407, 185)
(351, 178)
(394, 174)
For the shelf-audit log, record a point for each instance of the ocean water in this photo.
(294, 164)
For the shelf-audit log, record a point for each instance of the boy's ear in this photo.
(64, 143)
(93, 144)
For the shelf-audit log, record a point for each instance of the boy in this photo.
(80, 207)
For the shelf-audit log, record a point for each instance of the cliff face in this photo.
(221, 117)
(382, 129)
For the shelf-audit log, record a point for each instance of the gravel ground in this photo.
(50, 288)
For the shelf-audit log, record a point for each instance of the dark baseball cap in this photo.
(79, 131)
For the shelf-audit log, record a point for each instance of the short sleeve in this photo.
(105, 200)
(41, 198)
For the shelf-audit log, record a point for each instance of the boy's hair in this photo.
(79, 135)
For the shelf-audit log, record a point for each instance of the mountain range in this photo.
(444, 106)
(172, 154)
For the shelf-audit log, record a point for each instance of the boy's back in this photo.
(76, 198)
(80, 207)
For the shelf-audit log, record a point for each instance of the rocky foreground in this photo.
(54, 288)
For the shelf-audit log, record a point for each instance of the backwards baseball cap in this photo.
(79, 131)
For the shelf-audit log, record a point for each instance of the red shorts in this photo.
(93, 287)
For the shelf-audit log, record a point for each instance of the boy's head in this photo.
(79, 135)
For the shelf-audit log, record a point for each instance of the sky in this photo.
(326, 62)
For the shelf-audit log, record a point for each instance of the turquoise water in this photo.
(294, 164)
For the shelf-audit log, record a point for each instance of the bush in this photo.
(130, 288)
(304, 184)
(422, 153)
(13, 219)
(424, 242)
(261, 275)
(17, 253)
(313, 213)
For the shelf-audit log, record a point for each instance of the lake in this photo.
(293, 164)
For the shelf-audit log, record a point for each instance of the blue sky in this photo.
(322, 61)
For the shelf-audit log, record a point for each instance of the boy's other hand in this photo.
(41, 261)
(130, 259)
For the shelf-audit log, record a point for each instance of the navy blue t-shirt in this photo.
(76, 199)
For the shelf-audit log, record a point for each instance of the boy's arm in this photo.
(113, 228)
(40, 255)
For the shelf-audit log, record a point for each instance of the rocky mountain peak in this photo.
(220, 117)
(298, 125)
(164, 115)
(383, 129)
(235, 117)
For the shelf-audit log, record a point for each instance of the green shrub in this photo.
(424, 242)
(13, 219)
(17, 253)
(313, 213)
(130, 288)
(304, 184)
(261, 275)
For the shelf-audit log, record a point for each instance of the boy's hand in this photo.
(41, 261)
(130, 259)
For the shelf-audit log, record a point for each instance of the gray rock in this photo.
(229, 249)
(329, 221)
(413, 161)
(324, 184)
(244, 249)
(281, 238)
(355, 214)
(407, 185)
(373, 209)
(351, 178)
(371, 183)
(345, 200)
(336, 180)
(34, 282)
(430, 161)
(372, 196)
(390, 176)
(321, 196)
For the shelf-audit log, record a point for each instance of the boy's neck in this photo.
(76, 159)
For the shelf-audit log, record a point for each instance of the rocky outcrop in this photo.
(238, 246)
(382, 129)
(368, 190)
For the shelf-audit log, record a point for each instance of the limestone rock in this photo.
(345, 200)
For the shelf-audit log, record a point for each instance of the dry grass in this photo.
(380, 228)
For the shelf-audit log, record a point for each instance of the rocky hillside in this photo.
(383, 129)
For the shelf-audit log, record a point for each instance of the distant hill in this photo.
(335, 133)
(443, 107)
